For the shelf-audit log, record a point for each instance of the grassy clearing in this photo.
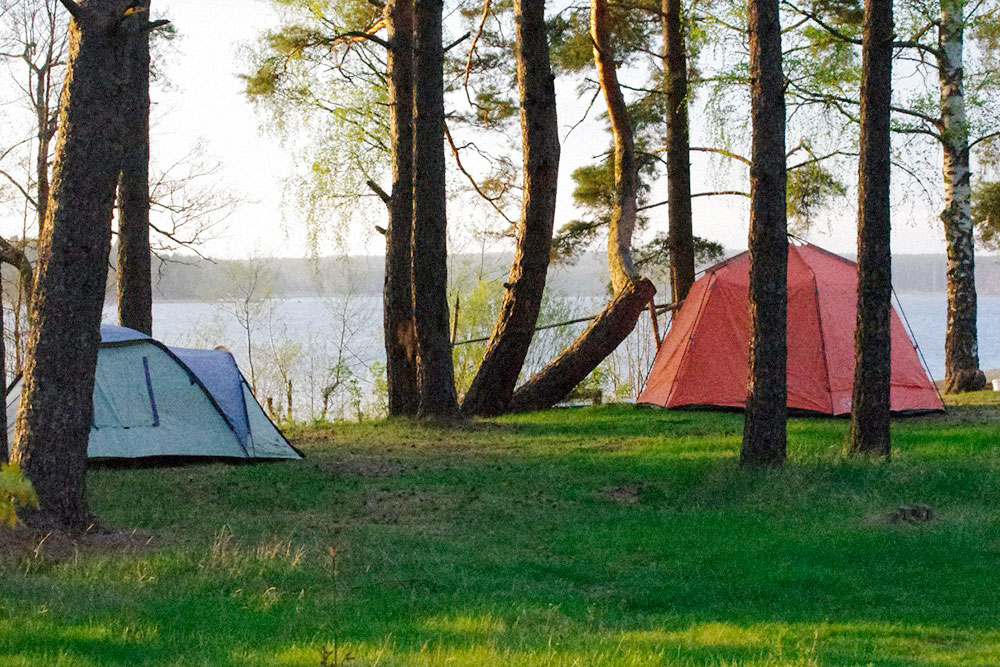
(597, 536)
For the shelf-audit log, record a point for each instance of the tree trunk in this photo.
(53, 421)
(554, 382)
(632, 292)
(870, 431)
(493, 386)
(400, 337)
(435, 374)
(675, 80)
(764, 434)
(135, 291)
(4, 445)
(44, 137)
(962, 371)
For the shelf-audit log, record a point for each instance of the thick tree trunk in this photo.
(632, 292)
(53, 422)
(870, 431)
(675, 81)
(764, 430)
(493, 386)
(400, 337)
(962, 371)
(435, 373)
(135, 290)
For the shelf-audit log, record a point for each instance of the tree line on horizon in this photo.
(396, 71)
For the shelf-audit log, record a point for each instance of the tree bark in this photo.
(53, 421)
(675, 80)
(44, 137)
(492, 388)
(962, 371)
(764, 429)
(400, 337)
(135, 290)
(435, 373)
(4, 445)
(632, 292)
(870, 428)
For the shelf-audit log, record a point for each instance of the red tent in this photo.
(704, 359)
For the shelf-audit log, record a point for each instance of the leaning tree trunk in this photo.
(870, 431)
(435, 373)
(962, 371)
(675, 81)
(400, 337)
(632, 292)
(492, 388)
(764, 434)
(135, 291)
(53, 421)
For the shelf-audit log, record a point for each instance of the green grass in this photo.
(598, 536)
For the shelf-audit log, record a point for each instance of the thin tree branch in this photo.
(717, 193)
(354, 35)
(471, 179)
(721, 151)
(377, 189)
(457, 42)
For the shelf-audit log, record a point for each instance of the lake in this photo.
(322, 342)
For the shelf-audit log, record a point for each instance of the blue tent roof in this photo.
(115, 334)
(217, 370)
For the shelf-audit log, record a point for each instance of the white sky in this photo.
(207, 103)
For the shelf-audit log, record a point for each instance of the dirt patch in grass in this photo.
(367, 467)
(410, 506)
(56, 546)
(627, 494)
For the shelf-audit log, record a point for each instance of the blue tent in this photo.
(154, 400)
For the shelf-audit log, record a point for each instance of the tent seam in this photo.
(690, 340)
(822, 333)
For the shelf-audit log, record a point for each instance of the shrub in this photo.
(15, 490)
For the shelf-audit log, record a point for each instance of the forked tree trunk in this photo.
(632, 292)
(135, 291)
(53, 421)
(435, 373)
(400, 337)
(870, 429)
(675, 81)
(764, 429)
(962, 371)
(493, 386)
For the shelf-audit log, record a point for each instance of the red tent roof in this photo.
(704, 358)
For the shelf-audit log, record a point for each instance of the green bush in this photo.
(15, 490)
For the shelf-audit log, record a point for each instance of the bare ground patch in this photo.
(411, 506)
(626, 494)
